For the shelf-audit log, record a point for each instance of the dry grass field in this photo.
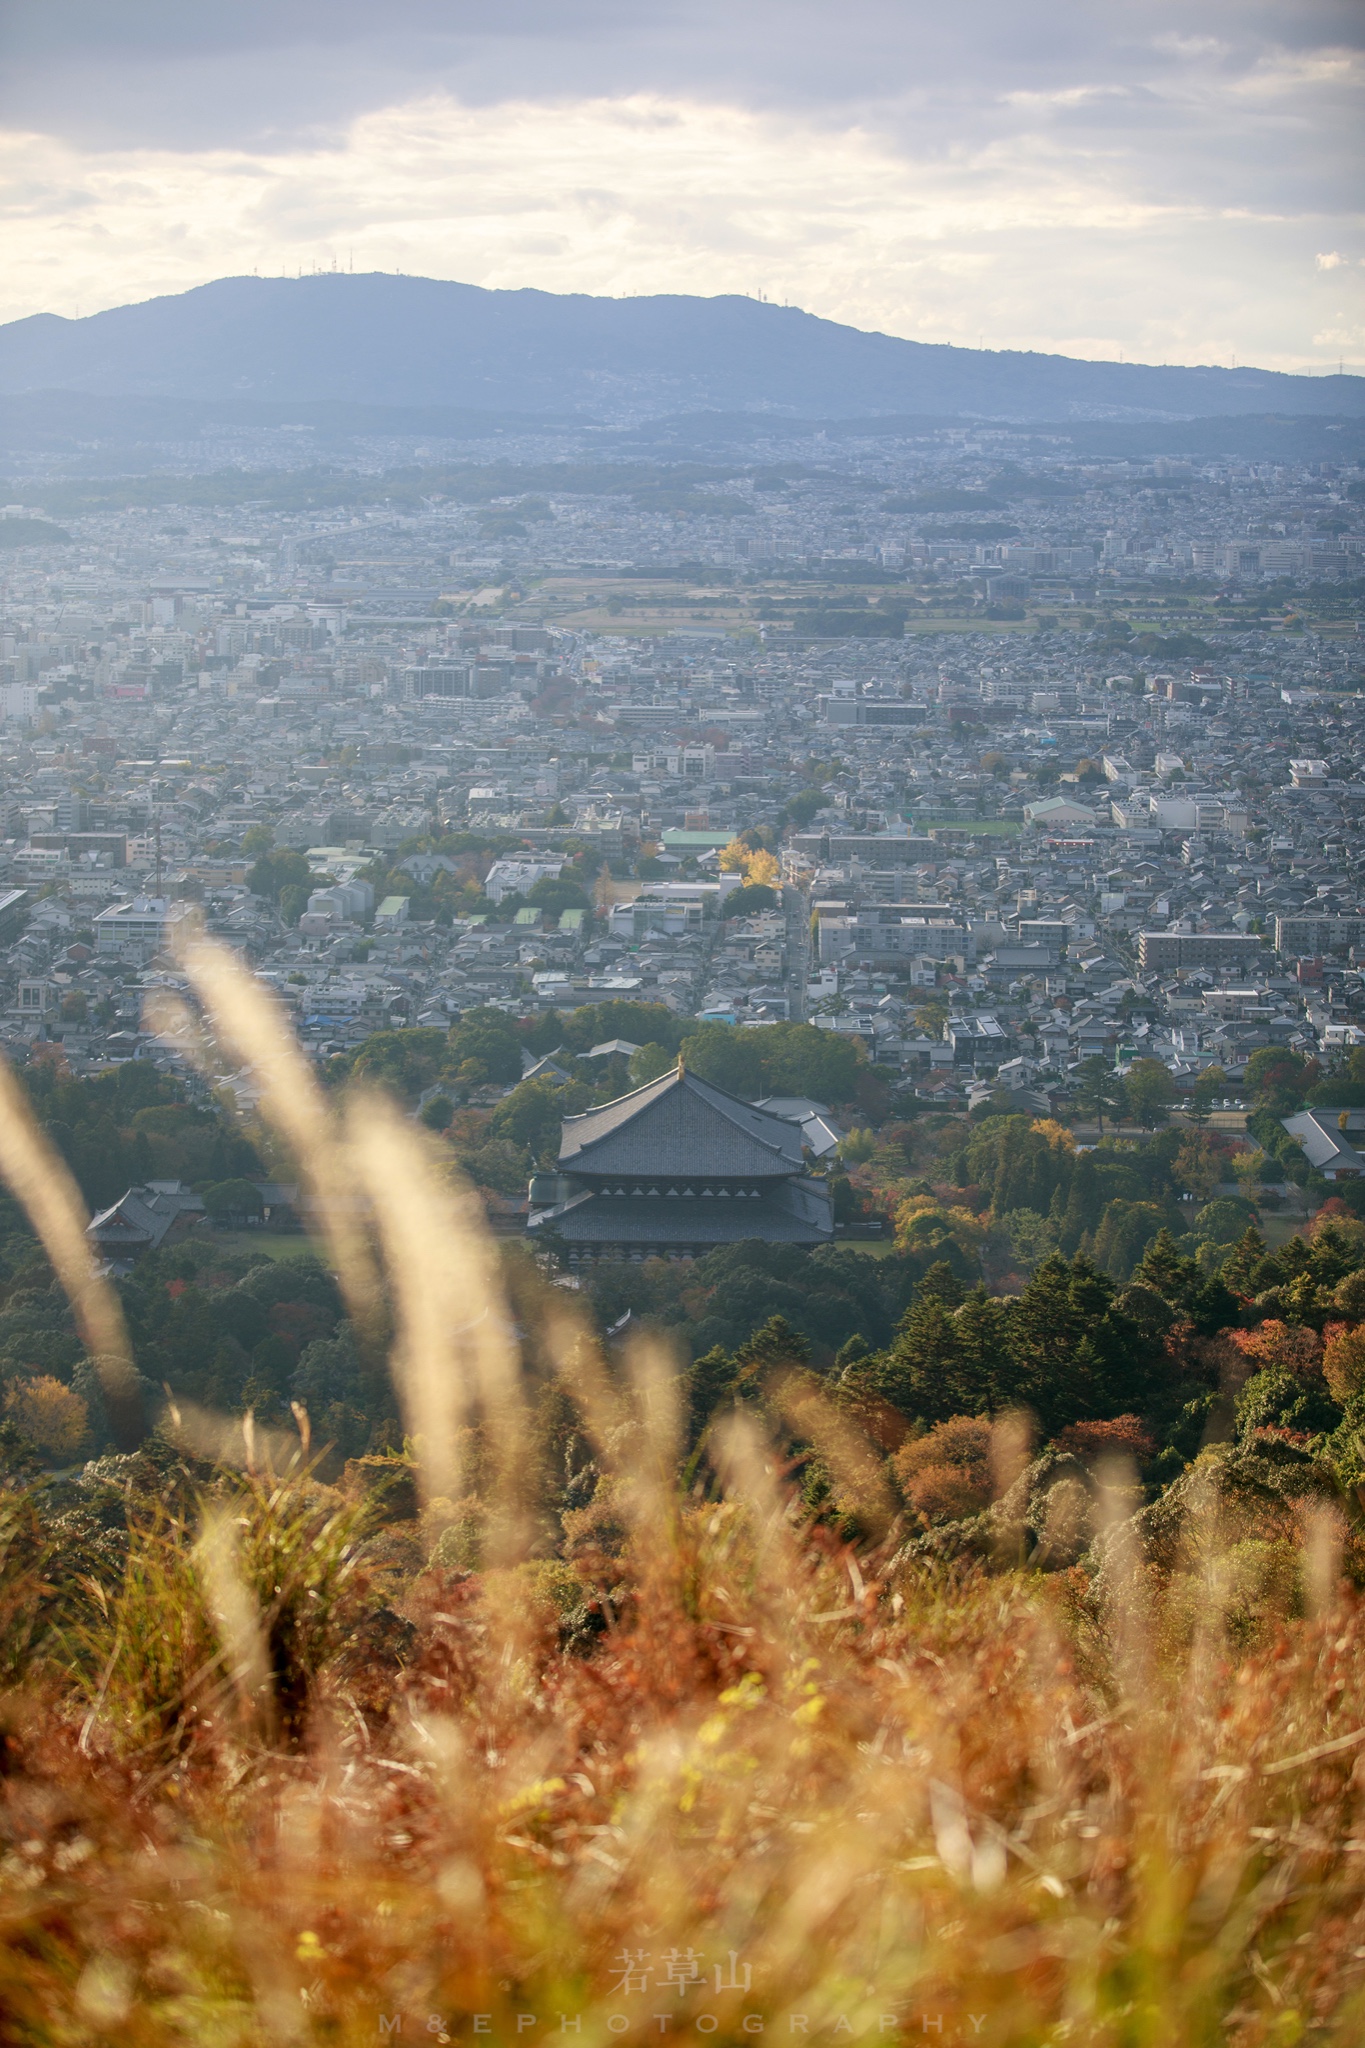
(536, 1732)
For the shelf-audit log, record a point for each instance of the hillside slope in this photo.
(383, 340)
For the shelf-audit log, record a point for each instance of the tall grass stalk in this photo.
(247, 1022)
(687, 1759)
(41, 1180)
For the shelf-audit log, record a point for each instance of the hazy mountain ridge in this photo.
(387, 341)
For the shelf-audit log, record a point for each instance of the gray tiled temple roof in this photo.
(683, 1128)
(797, 1212)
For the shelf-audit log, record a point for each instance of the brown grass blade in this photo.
(42, 1182)
(247, 1020)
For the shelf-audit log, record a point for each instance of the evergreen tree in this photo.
(1098, 1088)
(1162, 1267)
(921, 1375)
(1204, 1299)
(941, 1283)
(1241, 1266)
(986, 1363)
(709, 1385)
(1015, 1165)
(1082, 1205)
(1126, 1228)
(777, 1342)
(852, 1354)
(1075, 1353)
(1051, 1170)
(1331, 1256)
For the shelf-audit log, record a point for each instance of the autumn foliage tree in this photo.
(54, 1419)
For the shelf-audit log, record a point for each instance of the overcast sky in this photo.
(1174, 183)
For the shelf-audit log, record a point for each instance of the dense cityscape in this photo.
(1068, 751)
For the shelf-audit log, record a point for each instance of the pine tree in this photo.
(1249, 1266)
(1081, 1213)
(1044, 1176)
(921, 1374)
(1331, 1256)
(987, 1373)
(1203, 1299)
(1015, 1170)
(776, 1342)
(1162, 1267)
(941, 1283)
(708, 1385)
(1074, 1352)
(851, 1354)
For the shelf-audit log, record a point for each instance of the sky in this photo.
(1158, 182)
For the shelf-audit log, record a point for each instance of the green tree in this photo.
(1208, 1089)
(1202, 1299)
(1198, 1168)
(230, 1200)
(751, 898)
(730, 1059)
(1083, 1204)
(1123, 1233)
(639, 1023)
(784, 1059)
(1098, 1088)
(256, 840)
(485, 1038)
(708, 1386)
(799, 810)
(941, 1283)
(775, 1344)
(985, 1361)
(1016, 1164)
(650, 1062)
(1223, 1220)
(1241, 1270)
(1150, 1091)
(922, 1373)
(557, 893)
(293, 901)
(404, 1062)
(1075, 1354)
(1278, 1080)
(275, 871)
(531, 1115)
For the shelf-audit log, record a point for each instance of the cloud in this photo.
(1330, 261)
(1157, 180)
(1031, 244)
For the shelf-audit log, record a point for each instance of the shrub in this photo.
(1121, 1435)
(53, 1418)
(945, 1474)
(1343, 1360)
(750, 898)
(1281, 1347)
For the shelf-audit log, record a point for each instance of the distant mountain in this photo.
(413, 341)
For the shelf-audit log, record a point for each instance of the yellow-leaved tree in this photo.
(53, 1418)
(1057, 1134)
